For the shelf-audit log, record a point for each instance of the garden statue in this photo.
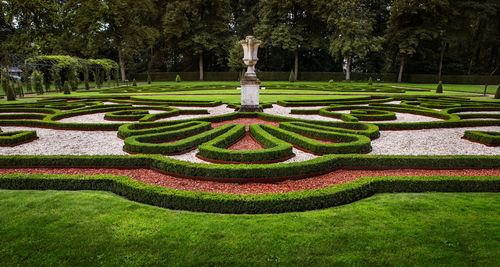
(250, 83)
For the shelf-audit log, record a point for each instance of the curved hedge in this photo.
(16, 137)
(216, 149)
(251, 204)
(485, 137)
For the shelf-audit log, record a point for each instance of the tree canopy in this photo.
(375, 36)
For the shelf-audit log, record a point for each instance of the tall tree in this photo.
(352, 24)
(123, 25)
(410, 23)
(291, 25)
(197, 26)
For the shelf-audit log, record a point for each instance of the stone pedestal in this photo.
(250, 94)
(250, 83)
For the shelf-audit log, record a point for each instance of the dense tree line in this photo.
(375, 36)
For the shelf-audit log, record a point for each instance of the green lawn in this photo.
(98, 228)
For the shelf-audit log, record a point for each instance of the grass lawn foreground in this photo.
(458, 229)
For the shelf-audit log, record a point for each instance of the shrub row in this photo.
(250, 172)
(251, 204)
(126, 115)
(372, 114)
(216, 149)
(158, 143)
(485, 137)
(16, 137)
(349, 143)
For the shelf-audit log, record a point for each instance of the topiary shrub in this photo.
(330, 82)
(370, 81)
(439, 89)
(149, 78)
(11, 96)
(19, 90)
(497, 95)
(67, 89)
(4, 80)
(178, 78)
(290, 78)
(37, 80)
(134, 82)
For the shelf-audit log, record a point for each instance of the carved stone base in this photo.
(250, 108)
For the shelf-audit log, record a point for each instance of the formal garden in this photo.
(323, 161)
(249, 133)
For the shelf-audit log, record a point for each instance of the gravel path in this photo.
(431, 142)
(61, 142)
(285, 111)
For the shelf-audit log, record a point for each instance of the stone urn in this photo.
(250, 83)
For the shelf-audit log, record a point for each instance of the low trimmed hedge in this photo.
(217, 148)
(485, 137)
(126, 115)
(294, 134)
(157, 143)
(249, 172)
(251, 204)
(16, 137)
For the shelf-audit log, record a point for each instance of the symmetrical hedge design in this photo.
(251, 204)
(339, 141)
(485, 137)
(275, 150)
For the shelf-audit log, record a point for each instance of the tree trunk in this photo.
(443, 48)
(401, 68)
(122, 64)
(201, 66)
(348, 68)
(296, 68)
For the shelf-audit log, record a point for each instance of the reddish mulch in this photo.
(335, 177)
(247, 143)
(245, 121)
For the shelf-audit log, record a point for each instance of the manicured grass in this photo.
(98, 228)
(451, 87)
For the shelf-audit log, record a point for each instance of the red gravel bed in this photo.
(245, 121)
(332, 178)
(246, 143)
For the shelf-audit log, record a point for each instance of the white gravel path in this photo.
(285, 111)
(300, 156)
(444, 141)
(213, 111)
(62, 142)
(90, 118)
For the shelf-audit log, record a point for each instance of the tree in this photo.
(410, 23)
(235, 59)
(197, 26)
(291, 25)
(352, 24)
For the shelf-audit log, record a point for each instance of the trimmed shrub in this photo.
(330, 82)
(290, 77)
(252, 204)
(16, 137)
(67, 89)
(178, 78)
(485, 137)
(11, 96)
(439, 89)
(370, 81)
(497, 95)
(37, 82)
(134, 82)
